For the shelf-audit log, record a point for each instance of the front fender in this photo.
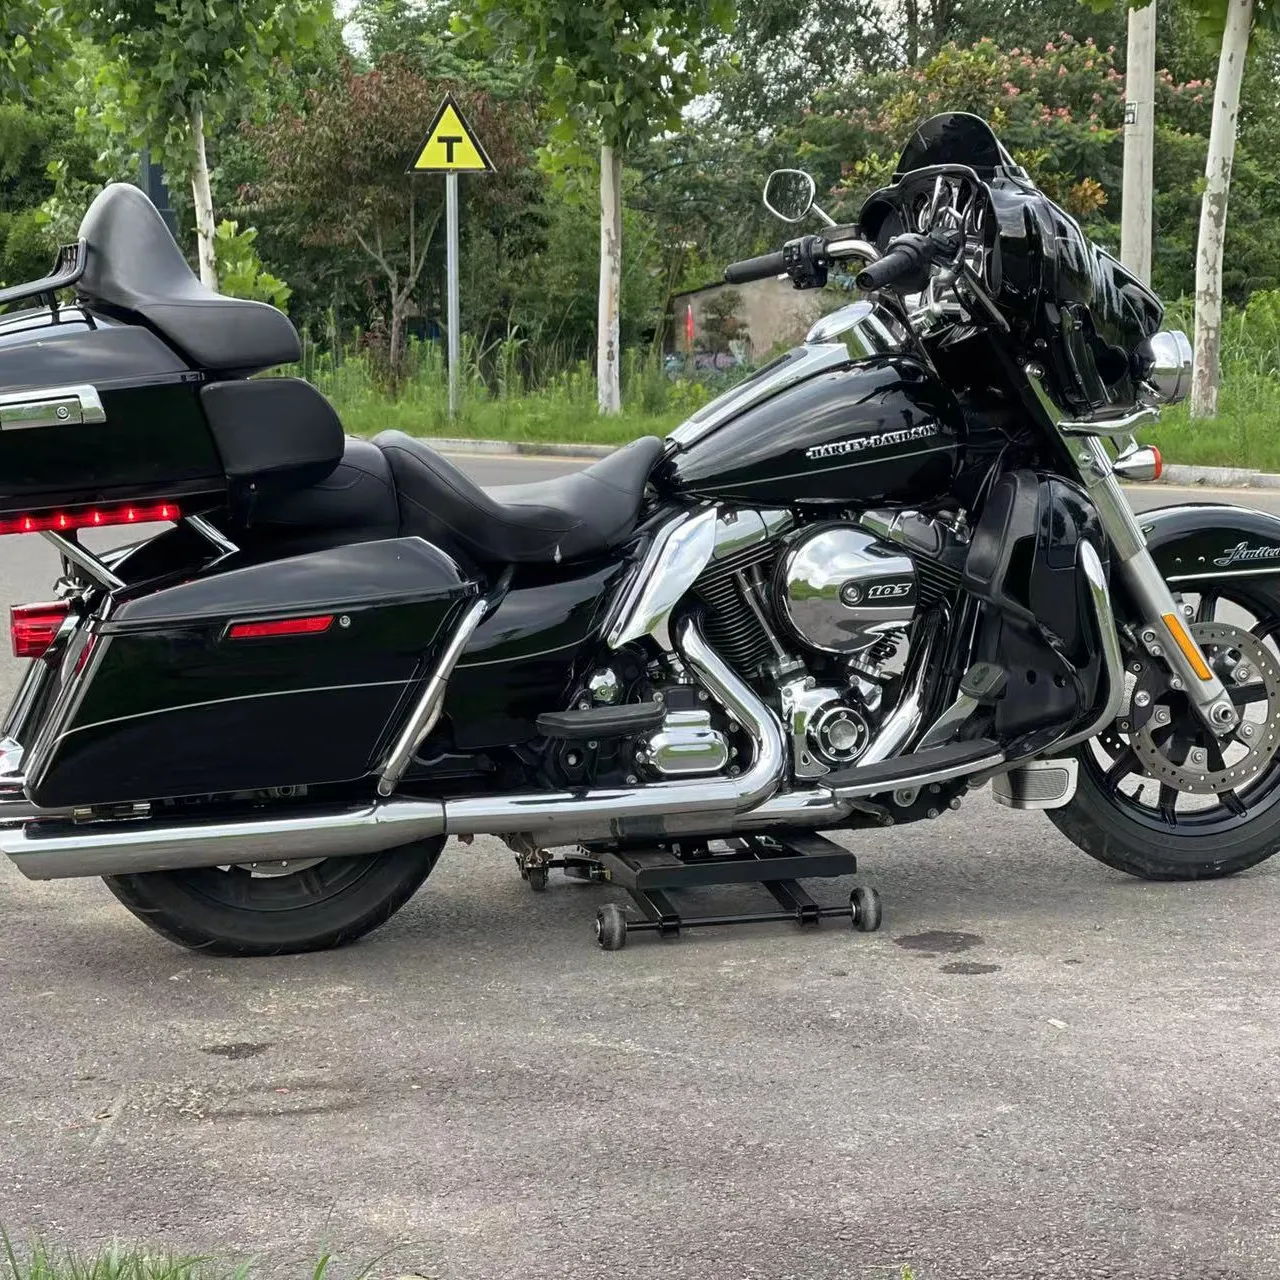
(1211, 540)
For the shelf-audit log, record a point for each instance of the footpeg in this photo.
(1042, 784)
(602, 722)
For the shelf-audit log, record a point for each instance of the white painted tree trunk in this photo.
(608, 330)
(1213, 208)
(203, 201)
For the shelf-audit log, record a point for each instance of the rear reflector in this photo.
(90, 518)
(280, 627)
(34, 627)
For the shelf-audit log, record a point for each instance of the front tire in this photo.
(272, 911)
(1141, 825)
(1093, 822)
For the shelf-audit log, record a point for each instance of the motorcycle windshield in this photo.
(956, 137)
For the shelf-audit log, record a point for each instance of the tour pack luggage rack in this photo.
(68, 267)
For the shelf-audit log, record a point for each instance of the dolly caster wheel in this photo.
(864, 904)
(537, 878)
(611, 928)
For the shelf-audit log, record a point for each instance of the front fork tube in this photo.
(1162, 630)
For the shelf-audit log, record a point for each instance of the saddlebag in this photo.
(289, 673)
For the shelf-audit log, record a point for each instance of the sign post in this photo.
(451, 148)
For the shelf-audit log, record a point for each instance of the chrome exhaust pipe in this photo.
(45, 850)
(49, 851)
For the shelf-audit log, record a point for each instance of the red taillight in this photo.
(1159, 463)
(280, 627)
(90, 518)
(34, 627)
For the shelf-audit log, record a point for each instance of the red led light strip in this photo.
(91, 518)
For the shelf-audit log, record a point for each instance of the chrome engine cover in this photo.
(685, 745)
(841, 590)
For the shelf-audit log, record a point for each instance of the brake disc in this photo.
(1240, 659)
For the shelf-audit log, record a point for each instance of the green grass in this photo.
(41, 1261)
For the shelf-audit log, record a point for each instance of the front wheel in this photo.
(277, 908)
(1162, 798)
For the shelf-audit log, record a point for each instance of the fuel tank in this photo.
(881, 429)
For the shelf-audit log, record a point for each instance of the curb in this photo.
(1174, 474)
(1220, 477)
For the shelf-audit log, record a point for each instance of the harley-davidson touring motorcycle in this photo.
(892, 566)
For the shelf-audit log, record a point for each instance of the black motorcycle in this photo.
(892, 566)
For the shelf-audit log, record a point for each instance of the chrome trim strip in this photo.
(768, 382)
(86, 560)
(1219, 573)
(213, 535)
(675, 558)
(427, 712)
(129, 847)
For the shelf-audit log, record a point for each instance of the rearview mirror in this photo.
(789, 193)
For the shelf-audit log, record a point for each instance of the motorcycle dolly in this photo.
(777, 862)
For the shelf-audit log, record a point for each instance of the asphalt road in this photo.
(1037, 1068)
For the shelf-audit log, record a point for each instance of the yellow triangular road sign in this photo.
(451, 146)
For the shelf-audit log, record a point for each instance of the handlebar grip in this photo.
(896, 265)
(761, 268)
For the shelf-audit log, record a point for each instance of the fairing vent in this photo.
(732, 626)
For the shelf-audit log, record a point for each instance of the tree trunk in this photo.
(1213, 208)
(608, 329)
(203, 201)
(911, 18)
(395, 339)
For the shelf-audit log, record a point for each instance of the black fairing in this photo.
(166, 704)
(876, 430)
(1038, 624)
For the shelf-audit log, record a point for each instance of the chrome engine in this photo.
(818, 617)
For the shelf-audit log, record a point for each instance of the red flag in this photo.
(688, 326)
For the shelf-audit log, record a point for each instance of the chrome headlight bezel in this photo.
(1169, 374)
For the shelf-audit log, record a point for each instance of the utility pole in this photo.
(1139, 142)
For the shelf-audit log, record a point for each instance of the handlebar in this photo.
(761, 268)
(907, 262)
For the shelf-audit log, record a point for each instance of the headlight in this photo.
(1169, 374)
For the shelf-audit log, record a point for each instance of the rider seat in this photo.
(569, 518)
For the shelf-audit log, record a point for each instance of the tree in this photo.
(616, 73)
(335, 172)
(180, 67)
(33, 45)
(1236, 25)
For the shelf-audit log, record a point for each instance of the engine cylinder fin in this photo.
(731, 625)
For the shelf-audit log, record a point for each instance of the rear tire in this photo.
(233, 912)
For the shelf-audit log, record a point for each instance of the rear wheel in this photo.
(271, 909)
(1160, 797)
